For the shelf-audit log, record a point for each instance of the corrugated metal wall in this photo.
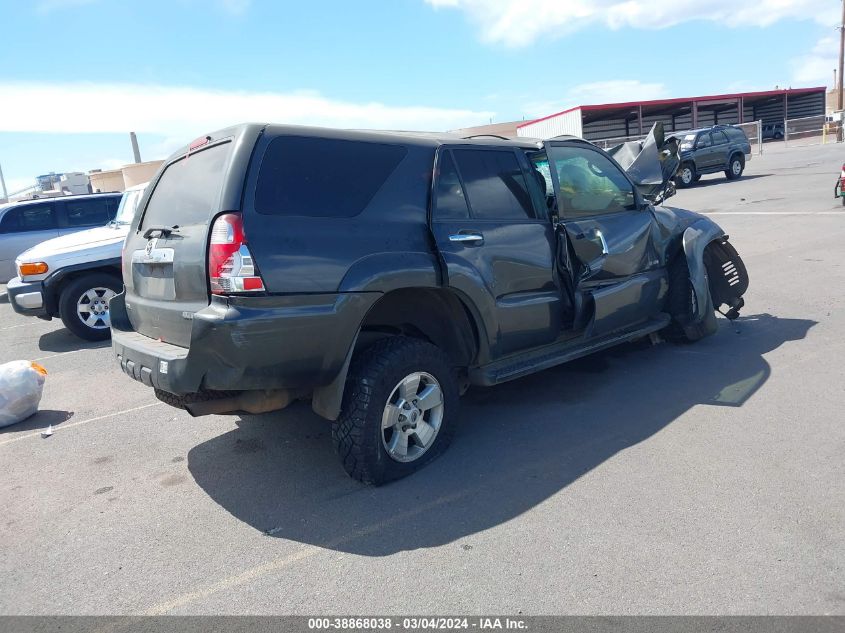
(805, 105)
(566, 123)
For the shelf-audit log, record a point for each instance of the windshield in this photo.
(128, 204)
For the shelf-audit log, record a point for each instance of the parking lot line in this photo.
(73, 351)
(80, 423)
(304, 552)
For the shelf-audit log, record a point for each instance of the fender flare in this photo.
(695, 239)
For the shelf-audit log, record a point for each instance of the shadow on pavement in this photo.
(41, 420)
(62, 340)
(517, 445)
(721, 180)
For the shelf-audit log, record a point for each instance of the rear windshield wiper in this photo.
(162, 231)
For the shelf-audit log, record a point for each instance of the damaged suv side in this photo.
(379, 275)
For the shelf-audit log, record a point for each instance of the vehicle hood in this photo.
(79, 241)
(651, 163)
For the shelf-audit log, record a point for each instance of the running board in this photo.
(539, 359)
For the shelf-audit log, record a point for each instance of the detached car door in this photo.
(496, 241)
(608, 251)
(21, 228)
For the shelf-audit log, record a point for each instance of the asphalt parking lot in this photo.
(702, 479)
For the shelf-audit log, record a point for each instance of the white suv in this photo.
(74, 276)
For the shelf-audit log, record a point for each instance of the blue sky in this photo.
(77, 75)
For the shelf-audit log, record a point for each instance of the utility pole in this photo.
(841, 58)
(135, 151)
(3, 184)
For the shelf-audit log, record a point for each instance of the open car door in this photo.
(606, 256)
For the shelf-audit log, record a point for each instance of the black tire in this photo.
(71, 295)
(843, 201)
(357, 434)
(686, 176)
(736, 166)
(696, 178)
(681, 301)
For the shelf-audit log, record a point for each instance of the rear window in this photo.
(188, 189)
(320, 177)
(31, 217)
(736, 133)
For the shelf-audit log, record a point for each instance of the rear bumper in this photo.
(257, 343)
(27, 297)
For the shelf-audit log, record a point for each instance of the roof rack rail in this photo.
(503, 138)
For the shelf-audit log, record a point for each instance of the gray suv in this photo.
(723, 148)
(29, 222)
(379, 275)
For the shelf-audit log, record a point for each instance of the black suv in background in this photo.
(710, 150)
(380, 274)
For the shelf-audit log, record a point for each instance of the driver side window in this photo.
(589, 183)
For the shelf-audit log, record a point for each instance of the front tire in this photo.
(735, 167)
(681, 303)
(399, 410)
(686, 176)
(83, 305)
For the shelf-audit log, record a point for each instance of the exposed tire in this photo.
(179, 402)
(686, 176)
(696, 178)
(374, 417)
(681, 301)
(843, 201)
(83, 305)
(735, 167)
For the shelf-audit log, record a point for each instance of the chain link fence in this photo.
(812, 130)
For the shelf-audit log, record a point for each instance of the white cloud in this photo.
(520, 22)
(185, 112)
(614, 91)
(817, 66)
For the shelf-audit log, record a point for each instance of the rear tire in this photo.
(681, 301)
(735, 167)
(390, 425)
(83, 305)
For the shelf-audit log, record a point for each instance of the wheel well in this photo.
(735, 154)
(58, 286)
(434, 315)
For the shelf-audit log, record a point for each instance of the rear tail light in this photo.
(230, 265)
(842, 174)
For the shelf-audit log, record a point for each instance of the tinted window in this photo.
(719, 138)
(495, 184)
(737, 134)
(31, 217)
(322, 177)
(88, 212)
(449, 199)
(188, 189)
(703, 141)
(589, 183)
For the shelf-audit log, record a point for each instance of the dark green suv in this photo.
(710, 150)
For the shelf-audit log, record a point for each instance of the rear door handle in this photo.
(466, 237)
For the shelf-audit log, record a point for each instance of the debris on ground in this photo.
(21, 384)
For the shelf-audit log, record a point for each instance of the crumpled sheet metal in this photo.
(651, 163)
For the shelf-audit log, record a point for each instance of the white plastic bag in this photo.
(21, 383)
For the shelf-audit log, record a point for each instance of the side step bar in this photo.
(556, 354)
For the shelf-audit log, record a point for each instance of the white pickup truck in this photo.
(74, 276)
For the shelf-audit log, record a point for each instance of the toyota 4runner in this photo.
(380, 274)
(722, 148)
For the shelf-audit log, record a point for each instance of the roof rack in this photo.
(503, 138)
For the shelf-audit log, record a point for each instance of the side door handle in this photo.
(595, 235)
(467, 237)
